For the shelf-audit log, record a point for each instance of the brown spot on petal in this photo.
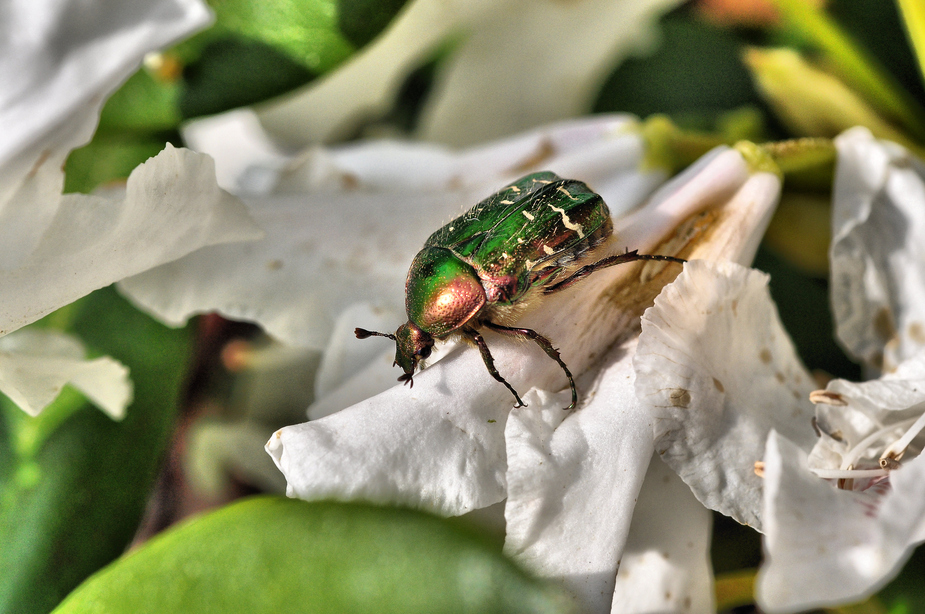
(883, 324)
(680, 397)
(779, 377)
(275, 265)
(349, 181)
(917, 332)
(719, 385)
(43, 157)
(765, 356)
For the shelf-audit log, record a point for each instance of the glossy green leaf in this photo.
(362, 20)
(271, 554)
(108, 157)
(71, 501)
(306, 30)
(144, 103)
(913, 14)
(856, 65)
(234, 72)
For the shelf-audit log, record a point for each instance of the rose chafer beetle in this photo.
(528, 239)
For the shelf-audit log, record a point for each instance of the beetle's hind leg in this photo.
(490, 362)
(544, 343)
(603, 264)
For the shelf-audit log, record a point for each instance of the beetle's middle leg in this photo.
(490, 362)
(603, 264)
(544, 343)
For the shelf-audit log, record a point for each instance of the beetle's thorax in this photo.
(442, 293)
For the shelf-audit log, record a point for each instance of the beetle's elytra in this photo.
(526, 239)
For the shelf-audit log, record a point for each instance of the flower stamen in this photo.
(854, 454)
(896, 450)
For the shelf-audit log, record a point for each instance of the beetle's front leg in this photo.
(603, 264)
(544, 343)
(490, 362)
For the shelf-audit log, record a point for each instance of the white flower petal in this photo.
(726, 204)
(36, 364)
(826, 546)
(171, 207)
(368, 211)
(878, 249)
(719, 372)
(527, 63)
(498, 81)
(377, 376)
(665, 566)
(59, 60)
(438, 445)
(345, 356)
(572, 484)
(237, 143)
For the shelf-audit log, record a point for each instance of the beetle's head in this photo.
(412, 345)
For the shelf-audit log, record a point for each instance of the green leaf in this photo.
(913, 14)
(271, 554)
(362, 20)
(306, 30)
(70, 505)
(144, 103)
(854, 64)
(108, 157)
(234, 72)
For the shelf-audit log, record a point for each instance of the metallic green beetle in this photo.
(522, 241)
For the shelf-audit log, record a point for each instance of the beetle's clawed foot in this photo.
(407, 379)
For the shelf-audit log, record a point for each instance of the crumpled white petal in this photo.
(826, 546)
(354, 217)
(665, 565)
(573, 485)
(718, 371)
(171, 207)
(35, 364)
(522, 63)
(878, 251)
(59, 61)
(436, 446)
(573, 480)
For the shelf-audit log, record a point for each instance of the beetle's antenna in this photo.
(362, 333)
